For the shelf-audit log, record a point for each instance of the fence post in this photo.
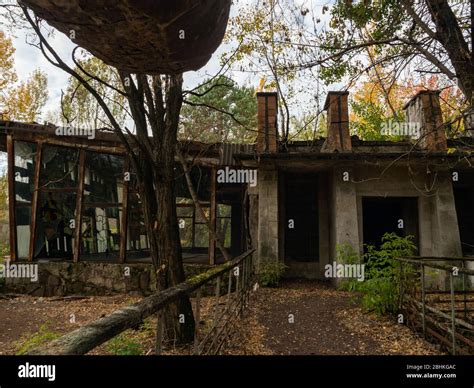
(196, 321)
(453, 317)
(423, 296)
(229, 288)
(218, 295)
(464, 290)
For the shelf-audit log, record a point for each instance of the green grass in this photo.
(30, 341)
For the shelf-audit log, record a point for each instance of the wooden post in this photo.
(218, 295)
(213, 217)
(11, 197)
(464, 284)
(80, 195)
(197, 318)
(124, 223)
(423, 299)
(453, 312)
(34, 201)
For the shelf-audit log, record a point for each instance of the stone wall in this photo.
(83, 278)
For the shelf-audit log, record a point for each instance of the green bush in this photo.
(380, 289)
(270, 273)
(346, 254)
(30, 341)
(124, 345)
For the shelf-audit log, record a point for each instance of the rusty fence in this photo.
(437, 299)
(226, 290)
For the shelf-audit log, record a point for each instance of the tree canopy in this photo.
(220, 110)
(21, 101)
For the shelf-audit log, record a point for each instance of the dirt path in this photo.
(312, 318)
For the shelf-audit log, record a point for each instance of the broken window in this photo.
(24, 173)
(102, 211)
(58, 183)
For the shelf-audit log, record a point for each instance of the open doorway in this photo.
(397, 215)
(301, 218)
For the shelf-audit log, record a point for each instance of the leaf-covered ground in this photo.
(297, 318)
(311, 318)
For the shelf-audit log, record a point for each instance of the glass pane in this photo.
(100, 230)
(54, 229)
(201, 178)
(103, 179)
(23, 222)
(185, 211)
(201, 237)
(59, 167)
(224, 230)
(186, 232)
(224, 210)
(137, 238)
(182, 200)
(199, 219)
(24, 171)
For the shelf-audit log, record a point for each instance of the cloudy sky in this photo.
(28, 58)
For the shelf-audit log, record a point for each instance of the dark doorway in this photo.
(301, 217)
(383, 215)
(464, 198)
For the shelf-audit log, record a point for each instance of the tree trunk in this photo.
(449, 34)
(156, 183)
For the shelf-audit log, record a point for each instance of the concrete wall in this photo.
(437, 221)
(341, 212)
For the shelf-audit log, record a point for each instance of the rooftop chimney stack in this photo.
(267, 136)
(424, 111)
(338, 138)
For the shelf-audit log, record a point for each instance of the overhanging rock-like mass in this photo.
(141, 36)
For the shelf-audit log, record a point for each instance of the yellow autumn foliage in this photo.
(19, 101)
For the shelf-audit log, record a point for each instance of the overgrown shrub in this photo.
(270, 273)
(380, 289)
(30, 341)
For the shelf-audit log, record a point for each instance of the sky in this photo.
(29, 58)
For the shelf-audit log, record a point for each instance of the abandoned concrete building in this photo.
(73, 206)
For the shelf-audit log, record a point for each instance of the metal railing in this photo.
(238, 278)
(449, 321)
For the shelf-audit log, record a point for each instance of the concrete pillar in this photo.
(445, 229)
(344, 218)
(425, 214)
(267, 214)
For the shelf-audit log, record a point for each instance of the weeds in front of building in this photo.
(380, 290)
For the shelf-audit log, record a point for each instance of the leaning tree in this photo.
(150, 46)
